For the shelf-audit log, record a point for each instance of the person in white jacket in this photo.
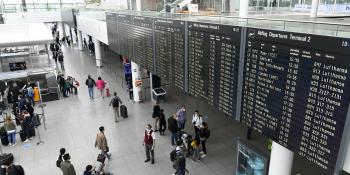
(197, 121)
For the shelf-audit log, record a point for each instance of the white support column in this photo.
(136, 76)
(70, 34)
(314, 8)
(80, 40)
(281, 160)
(98, 53)
(243, 9)
(346, 166)
(138, 5)
(63, 29)
(151, 84)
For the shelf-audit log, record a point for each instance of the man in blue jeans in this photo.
(173, 128)
(90, 83)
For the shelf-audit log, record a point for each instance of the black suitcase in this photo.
(6, 158)
(124, 111)
(22, 135)
(32, 132)
(4, 138)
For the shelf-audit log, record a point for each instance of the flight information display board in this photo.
(213, 64)
(170, 51)
(124, 36)
(296, 91)
(142, 33)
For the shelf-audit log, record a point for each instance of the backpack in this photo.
(19, 169)
(115, 102)
(90, 83)
(173, 155)
(59, 161)
(207, 135)
(204, 133)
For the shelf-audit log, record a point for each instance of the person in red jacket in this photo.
(149, 141)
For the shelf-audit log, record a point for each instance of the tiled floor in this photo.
(73, 123)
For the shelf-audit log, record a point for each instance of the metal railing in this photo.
(37, 7)
(308, 25)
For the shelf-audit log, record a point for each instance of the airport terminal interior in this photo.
(163, 87)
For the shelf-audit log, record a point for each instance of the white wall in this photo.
(115, 4)
(93, 27)
(32, 17)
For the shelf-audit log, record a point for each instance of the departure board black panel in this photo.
(296, 91)
(142, 33)
(170, 51)
(111, 30)
(124, 36)
(213, 64)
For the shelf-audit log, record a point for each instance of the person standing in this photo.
(60, 157)
(60, 59)
(115, 104)
(180, 162)
(100, 85)
(197, 122)
(204, 134)
(66, 166)
(10, 127)
(26, 125)
(173, 128)
(156, 115)
(162, 122)
(149, 141)
(90, 83)
(101, 142)
(181, 117)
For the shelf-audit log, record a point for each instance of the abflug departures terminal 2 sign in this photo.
(296, 91)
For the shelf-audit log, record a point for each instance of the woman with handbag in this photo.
(101, 143)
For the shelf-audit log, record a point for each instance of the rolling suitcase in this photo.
(4, 138)
(22, 135)
(123, 111)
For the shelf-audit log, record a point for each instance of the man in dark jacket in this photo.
(173, 128)
(66, 166)
(90, 83)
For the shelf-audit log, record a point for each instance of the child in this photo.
(195, 148)
(162, 122)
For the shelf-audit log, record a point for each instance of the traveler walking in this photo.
(101, 142)
(60, 59)
(85, 44)
(90, 83)
(173, 128)
(197, 121)
(12, 169)
(88, 170)
(60, 157)
(100, 85)
(66, 166)
(115, 104)
(181, 117)
(162, 122)
(156, 116)
(10, 127)
(149, 141)
(179, 163)
(26, 125)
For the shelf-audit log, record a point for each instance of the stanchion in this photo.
(40, 141)
(1, 149)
